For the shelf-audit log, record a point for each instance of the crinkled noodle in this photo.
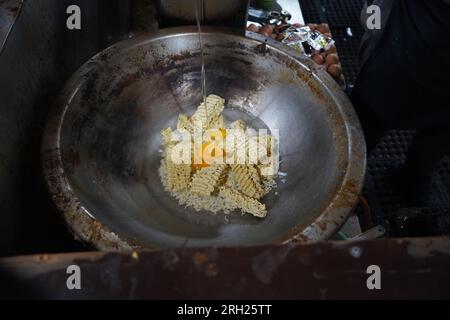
(216, 187)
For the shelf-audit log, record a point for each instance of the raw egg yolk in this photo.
(216, 152)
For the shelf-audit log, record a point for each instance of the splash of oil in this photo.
(199, 16)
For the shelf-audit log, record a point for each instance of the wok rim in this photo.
(90, 230)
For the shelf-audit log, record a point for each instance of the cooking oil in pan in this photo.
(199, 16)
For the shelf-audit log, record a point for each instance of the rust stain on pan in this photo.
(82, 226)
(349, 192)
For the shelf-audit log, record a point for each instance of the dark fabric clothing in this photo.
(372, 37)
(405, 83)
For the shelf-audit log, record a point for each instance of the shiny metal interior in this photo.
(102, 146)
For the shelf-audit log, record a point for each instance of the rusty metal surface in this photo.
(410, 269)
(100, 150)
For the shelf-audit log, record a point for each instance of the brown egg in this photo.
(297, 25)
(253, 28)
(266, 30)
(279, 37)
(332, 58)
(318, 58)
(327, 35)
(335, 70)
(281, 28)
(323, 28)
(332, 49)
(313, 26)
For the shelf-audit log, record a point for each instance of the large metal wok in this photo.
(101, 146)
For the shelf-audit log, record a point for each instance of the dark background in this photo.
(41, 54)
(38, 58)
